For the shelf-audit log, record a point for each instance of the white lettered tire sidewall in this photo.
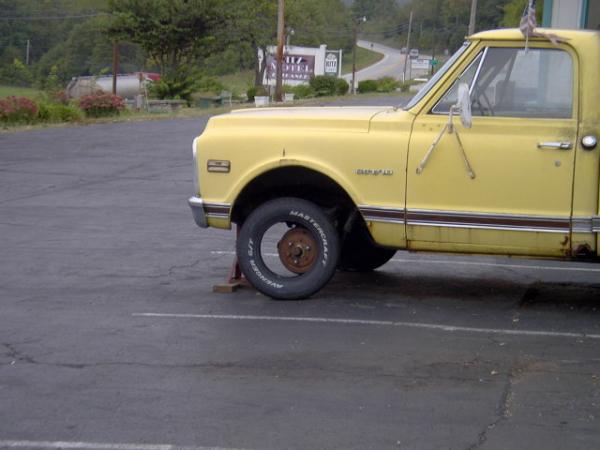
(303, 213)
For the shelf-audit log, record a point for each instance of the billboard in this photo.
(295, 67)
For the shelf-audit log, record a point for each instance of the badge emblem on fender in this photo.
(384, 172)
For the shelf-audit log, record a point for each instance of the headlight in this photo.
(196, 177)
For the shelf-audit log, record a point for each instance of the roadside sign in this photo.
(434, 62)
(420, 64)
(295, 67)
(332, 63)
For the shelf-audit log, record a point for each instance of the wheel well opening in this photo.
(297, 182)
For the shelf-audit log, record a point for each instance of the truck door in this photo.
(520, 147)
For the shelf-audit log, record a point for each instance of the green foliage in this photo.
(174, 33)
(341, 86)
(174, 88)
(181, 86)
(405, 87)
(367, 86)
(58, 112)
(208, 84)
(513, 11)
(17, 74)
(304, 91)
(8, 91)
(251, 93)
(437, 24)
(319, 22)
(235, 58)
(323, 85)
(256, 91)
(261, 91)
(217, 36)
(52, 83)
(374, 9)
(387, 84)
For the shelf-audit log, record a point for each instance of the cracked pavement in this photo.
(94, 228)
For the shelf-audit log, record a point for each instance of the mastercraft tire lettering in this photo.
(308, 248)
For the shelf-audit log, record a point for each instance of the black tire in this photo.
(359, 253)
(297, 214)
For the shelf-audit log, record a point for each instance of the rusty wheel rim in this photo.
(297, 250)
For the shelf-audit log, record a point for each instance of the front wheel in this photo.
(288, 248)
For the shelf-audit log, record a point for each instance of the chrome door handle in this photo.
(555, 145)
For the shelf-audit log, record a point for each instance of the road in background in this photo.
(110, 333)
(391, 65)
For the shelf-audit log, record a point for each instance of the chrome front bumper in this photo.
(197, 206)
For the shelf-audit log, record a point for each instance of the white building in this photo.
(572, 14)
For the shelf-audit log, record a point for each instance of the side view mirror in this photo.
(463, 105)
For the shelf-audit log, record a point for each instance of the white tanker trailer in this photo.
(128, 85)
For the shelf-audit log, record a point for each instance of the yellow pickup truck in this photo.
(496, 154)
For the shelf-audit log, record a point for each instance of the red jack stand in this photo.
(236, 278)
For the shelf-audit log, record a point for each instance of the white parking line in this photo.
(465, 263)
(98, 446)
(388, 323)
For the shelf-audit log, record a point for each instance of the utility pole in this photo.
(280, 42)
(473, 17)
(27, 54)
(432, 51)
(407, 46)
(115, 66)
(354, 39)
(354, 45)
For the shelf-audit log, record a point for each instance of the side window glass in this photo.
(514, 82)
(451, 97)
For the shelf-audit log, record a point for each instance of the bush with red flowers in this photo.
(60, 97)
(17, 110)
(101, 105)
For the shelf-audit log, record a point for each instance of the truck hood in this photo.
(346, 119)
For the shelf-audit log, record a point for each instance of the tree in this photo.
(254, 22)
(319, 22)
(374, 9)
(16, 74)
(86, 50)
(176, 34)
(513, 11)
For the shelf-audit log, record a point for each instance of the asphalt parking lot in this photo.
(111, 336)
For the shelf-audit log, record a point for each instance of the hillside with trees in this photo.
(48, 42)
(437, 24)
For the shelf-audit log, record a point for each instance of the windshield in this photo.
(434, 79)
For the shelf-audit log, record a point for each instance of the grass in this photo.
(238, 83)
(7, 91)
(364, 58)
(129, 116)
